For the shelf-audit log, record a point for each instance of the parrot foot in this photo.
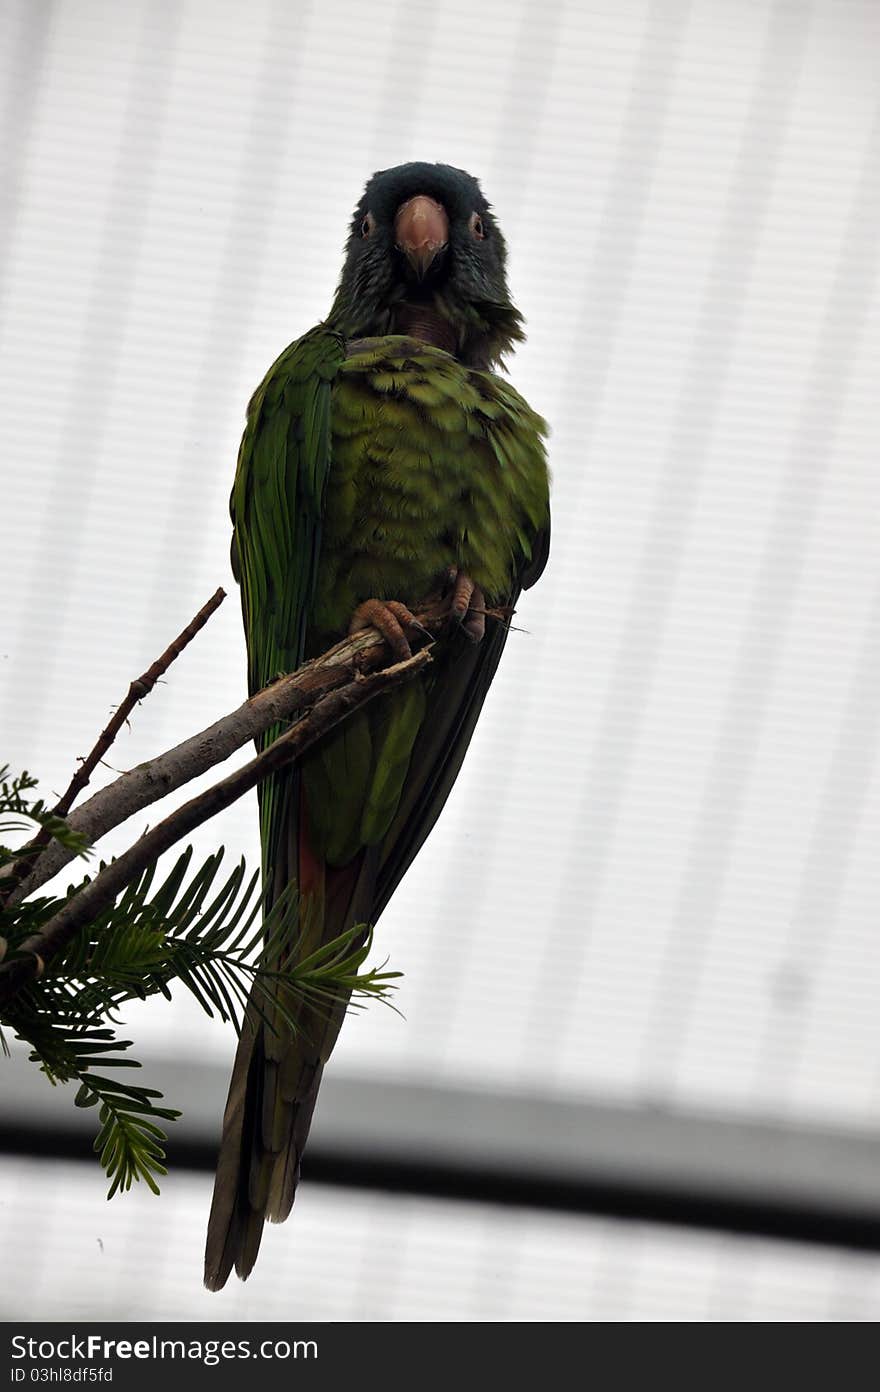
(467, 605)
(393, 620)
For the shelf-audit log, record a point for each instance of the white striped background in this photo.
(657, 879)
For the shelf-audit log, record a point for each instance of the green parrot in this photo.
(383, 461)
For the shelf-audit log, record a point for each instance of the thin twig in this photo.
(138, 689)
(39, 949)
(136, 692)
(280, 701)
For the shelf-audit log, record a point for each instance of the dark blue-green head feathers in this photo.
(426, 256)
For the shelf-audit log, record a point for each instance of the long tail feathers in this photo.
(264, 1135)
(275, 1082)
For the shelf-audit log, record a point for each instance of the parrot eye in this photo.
(476, 226)
(368, 226)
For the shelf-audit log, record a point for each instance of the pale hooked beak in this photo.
(421, 230)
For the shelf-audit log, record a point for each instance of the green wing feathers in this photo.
(352, 783)
(277, 509)
(278, 500)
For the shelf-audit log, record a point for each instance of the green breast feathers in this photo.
(433, 465)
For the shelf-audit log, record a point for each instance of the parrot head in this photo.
(426, 257)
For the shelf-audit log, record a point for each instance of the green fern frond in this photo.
(129, 1143)
(18, 814)
(197, 928)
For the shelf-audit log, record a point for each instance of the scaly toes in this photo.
(474, 624)
(462, 591)
(467, 605)
(392, 619)
(408, 622)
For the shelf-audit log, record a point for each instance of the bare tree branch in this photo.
(30, 854)
(281, 700)
(36, 952)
